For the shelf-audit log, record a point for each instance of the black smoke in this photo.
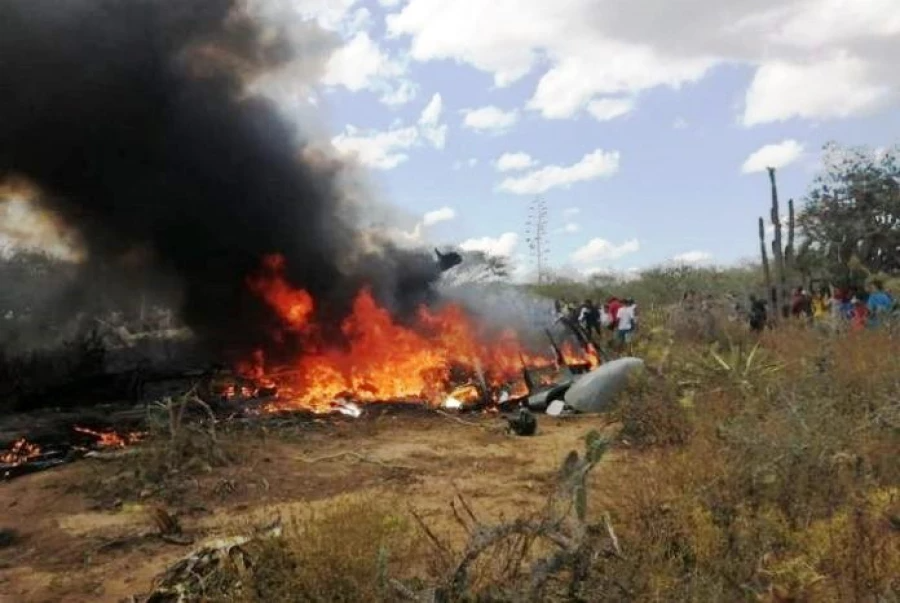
(134, 119)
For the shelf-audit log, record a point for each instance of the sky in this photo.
(644, 126)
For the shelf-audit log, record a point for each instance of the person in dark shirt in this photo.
(801, 304)
(759, 316)
(592, 318)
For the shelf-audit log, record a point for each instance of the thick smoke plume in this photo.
(134, 121)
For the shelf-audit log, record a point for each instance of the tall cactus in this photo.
(777, 249)
(783, 256)
(765, 259)
(790, 255)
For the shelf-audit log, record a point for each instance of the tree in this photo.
(852, 212)
(536, 234)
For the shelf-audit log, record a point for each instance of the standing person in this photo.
(626, 322)
(592, 320)
(837, 302)
(859, 317)
(572, 312)
(848, 303)
(801, 306)
(820, 304)
(583, 311)
(605, 318)
(614, 306)
(880, 303)
(759, 316)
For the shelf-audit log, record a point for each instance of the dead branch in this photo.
(402, 590)
(561, 523)
(612, 535)
(438, 544)
(486, 537)
(458, 420)
(466, 506)
(459, 518)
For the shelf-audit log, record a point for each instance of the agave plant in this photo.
(737, 362)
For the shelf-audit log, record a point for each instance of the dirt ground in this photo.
(72, 547)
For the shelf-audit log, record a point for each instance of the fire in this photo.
(293, 306)
(111, 439)
(380, 359)
(20, 451)
(572, 356)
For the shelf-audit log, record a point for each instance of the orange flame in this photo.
(382, 360)
(111, 439)
(293, 306)
(19, 452)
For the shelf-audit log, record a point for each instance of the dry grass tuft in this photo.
(346, 552)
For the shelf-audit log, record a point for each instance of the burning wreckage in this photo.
(443, 359)
(161, 148)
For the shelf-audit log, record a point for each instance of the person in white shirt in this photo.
(627, 320)
(605, 318)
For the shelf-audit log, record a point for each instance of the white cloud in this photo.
(509, 162)
(606, 109)
(597, 164)
(568, 228)
(489, 119)
(386, 149)
(358, 64)
(443, 214)
(404, 92)
(834, 88)
(429, 122)
(360, 20)
(814, 59)
(777, 156)
(331, 15)
(503, 246)
(571, 211)
(379, 150)
(680, 123)
(432, 111)
(389, 3)
(597, 250)
(692, 257)
(416, 236)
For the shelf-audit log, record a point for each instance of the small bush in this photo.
(652, 413)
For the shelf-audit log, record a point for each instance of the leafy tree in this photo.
(852, 210)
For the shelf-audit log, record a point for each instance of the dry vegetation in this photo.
(745, 470)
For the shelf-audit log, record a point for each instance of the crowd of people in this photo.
(839, 308)
(616, 316)
(857, 308)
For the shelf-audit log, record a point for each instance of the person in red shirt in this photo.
(860, 314)
(614, 305)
